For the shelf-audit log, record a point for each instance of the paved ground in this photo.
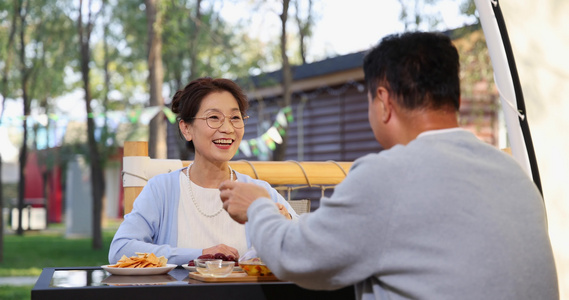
(21, 280)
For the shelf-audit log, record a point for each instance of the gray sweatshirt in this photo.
(444, 217)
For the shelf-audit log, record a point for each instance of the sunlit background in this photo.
(538, 32)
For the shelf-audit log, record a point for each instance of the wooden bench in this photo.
(138, 168)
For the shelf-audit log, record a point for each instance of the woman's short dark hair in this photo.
(187, 102)
(420, 68)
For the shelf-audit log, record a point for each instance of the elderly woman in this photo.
(180, 215)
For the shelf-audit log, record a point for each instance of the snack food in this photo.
(141, 260)
(255, 267)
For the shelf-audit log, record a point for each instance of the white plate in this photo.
(139, 271)
(189, 268)
(193, 268)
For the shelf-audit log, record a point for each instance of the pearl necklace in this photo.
(194, 200)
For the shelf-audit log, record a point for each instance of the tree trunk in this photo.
(194, 42)
(3, 93)
(183, 151)
(106, 62)
(157, 130)
(23, 149)
(97, 179)
(280, 151)
(304, 28)
(22, 179)
(1, 213)
(107, 88)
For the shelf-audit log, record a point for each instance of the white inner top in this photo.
(198, 231)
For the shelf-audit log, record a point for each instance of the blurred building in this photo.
(329, 108)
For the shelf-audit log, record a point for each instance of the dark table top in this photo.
(86, 283)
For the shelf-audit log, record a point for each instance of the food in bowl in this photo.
(255, 267)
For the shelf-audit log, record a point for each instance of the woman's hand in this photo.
(221, 248)
(283, 211)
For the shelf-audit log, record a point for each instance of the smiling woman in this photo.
(179, 215)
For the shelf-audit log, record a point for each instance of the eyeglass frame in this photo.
(222, 120)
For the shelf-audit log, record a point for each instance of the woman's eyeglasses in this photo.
(215, 119)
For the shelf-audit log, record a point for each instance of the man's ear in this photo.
(385, 104)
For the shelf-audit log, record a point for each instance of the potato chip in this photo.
(163, 260)
(141, 260)
(152, 259)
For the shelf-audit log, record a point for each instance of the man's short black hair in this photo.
(420, 68)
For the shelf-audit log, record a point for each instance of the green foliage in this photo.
(193, 46)
(217, 50)
(424, 15)
(52, 50)
(468, 7)
(52, 37)
(127, 53)
(414, 17)
(7, 51)
(47, 35)
(475, 64)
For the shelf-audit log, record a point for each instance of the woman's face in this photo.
(215, 145)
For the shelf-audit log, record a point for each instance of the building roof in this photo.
(334, 65)
(315, 69)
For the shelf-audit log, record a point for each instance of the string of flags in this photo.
(138, 115)
(259, 145)
(268, 140)
(256, 146)
(144, 115)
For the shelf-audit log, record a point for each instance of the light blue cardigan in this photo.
(152, 226)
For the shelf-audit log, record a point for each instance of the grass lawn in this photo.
(16, 292)
(27, 255)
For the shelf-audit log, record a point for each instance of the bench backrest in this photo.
(138, 168)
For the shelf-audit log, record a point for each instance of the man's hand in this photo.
(237, 196)
(221, 248)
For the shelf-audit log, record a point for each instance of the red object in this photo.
(54, 195)
(33, 193)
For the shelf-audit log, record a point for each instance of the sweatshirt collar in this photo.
(440, 131)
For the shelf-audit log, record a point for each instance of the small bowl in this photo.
(219, 268)
(255, 268)
(201, 266)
